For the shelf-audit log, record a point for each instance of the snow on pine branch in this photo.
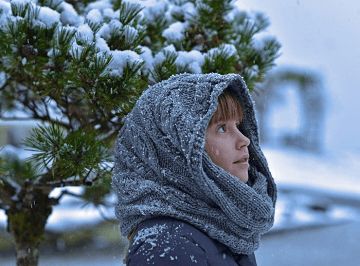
(175, 32)
(99, 25)
(48, 16)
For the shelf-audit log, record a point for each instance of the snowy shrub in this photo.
(88, 62)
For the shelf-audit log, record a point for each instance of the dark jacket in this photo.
(167, 241)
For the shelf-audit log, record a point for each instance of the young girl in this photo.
(193, 185)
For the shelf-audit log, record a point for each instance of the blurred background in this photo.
(308, 114)
(310, 131)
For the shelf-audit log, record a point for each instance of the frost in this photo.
(104, 31)
(2, 78)
(53, 52)
(175, 32)
(109, 13)
(15, 19)
(48, 16)
(160, 56)
(5, 12)
(189, 10)
(100, 5)
(121, 59)
(102, 45)
(135, 2)
(69, 15)
(75, 50)
(69, 28)
(5, 8)
(228, 49)
(192, 257)
(170, 48)
(204, 6)
(150, 257)
(38, 23)
(154, 9)
(254, 70)
(115, 24)
(232, 15)
(94, 16)
(85, 33)
(130, 31)
(193, 59)
(152, 242)
(146, 55)
(149, 231)
(20, 2)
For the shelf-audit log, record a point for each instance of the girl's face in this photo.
(228, 147)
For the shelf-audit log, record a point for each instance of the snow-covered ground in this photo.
(313, 190)
(333, 171)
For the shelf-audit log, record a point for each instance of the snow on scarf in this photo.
(162, 169)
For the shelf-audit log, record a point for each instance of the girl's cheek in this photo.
(215, 151)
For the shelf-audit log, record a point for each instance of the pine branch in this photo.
(102, 214)
(8, 189)
(35, 117)
(14, 118)
(46, 108)
(5, 85)
(110, 135)
(30, 105)
(65, 193)
(129, 12)
(3, 205)
(67, 112)
(62, 183)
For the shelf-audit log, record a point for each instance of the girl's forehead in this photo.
(236, 120)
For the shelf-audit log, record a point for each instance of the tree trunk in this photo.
(26, 255)
(26, 223)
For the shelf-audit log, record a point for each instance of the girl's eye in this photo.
(221, 129)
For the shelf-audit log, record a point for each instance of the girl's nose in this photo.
(242, 141)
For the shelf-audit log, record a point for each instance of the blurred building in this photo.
(291, 109)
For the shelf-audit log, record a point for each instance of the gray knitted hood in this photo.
(162, 169)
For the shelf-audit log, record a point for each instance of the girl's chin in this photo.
(243, 177)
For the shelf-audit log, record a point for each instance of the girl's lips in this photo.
(243, 164)
(244, 160)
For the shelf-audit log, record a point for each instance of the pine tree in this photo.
(77, 68)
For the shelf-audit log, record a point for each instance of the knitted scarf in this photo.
(162, 169)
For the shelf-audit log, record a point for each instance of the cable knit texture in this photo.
(162, 169)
